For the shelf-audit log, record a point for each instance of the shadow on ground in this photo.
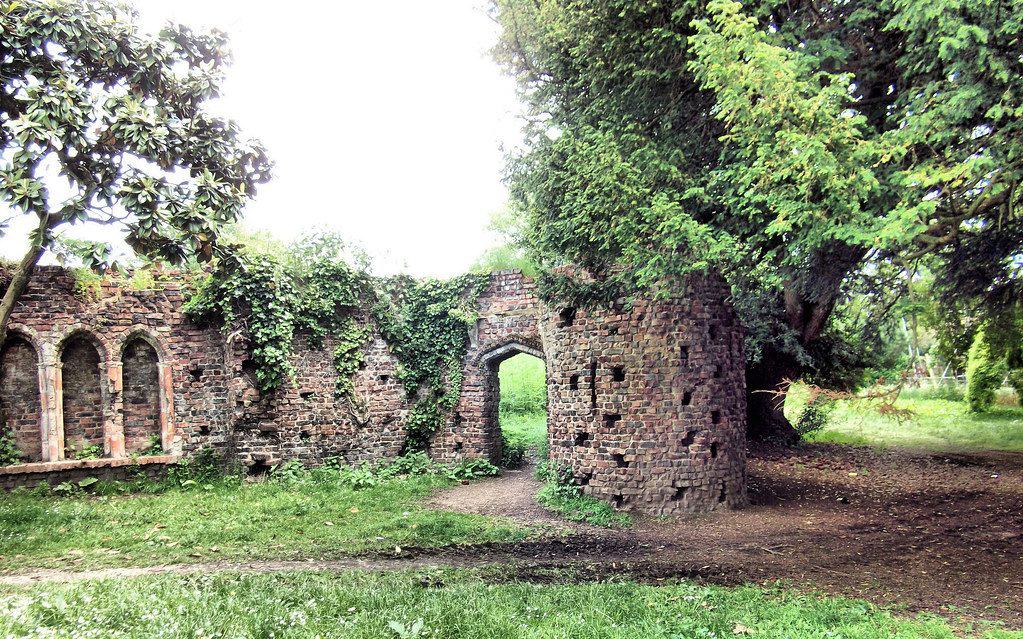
(920, 530)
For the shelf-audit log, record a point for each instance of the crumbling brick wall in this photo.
(19, 397)
(141, 381)
(646, 403)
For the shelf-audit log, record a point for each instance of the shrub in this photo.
(417, 463)
(1016, 381)
(513, 451)
(814, 416)
(9, 453)
(983, 374)
(204, 467)
(472, 469)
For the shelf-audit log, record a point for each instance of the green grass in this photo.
(529, 429)
(572, 505)
(937, 424)
(523, 385)
(445, 604)
(262, 520)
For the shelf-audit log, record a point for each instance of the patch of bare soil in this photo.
(930, 532)
(511, 495)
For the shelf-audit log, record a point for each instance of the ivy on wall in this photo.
(313, 290)
(257, 295)
(425, 324)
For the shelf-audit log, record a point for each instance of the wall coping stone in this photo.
(69, 464)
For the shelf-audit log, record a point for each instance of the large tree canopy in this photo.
(801, 147)
(102, 123)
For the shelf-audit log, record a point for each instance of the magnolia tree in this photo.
(101, 123)
(800, 147)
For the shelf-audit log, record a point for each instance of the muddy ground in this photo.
(930, 532)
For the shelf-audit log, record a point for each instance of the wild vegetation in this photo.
(200, 514)
(935, 419)
(319, 286)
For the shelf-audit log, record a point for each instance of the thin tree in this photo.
(101, 123)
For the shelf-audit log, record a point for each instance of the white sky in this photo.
(386, 120)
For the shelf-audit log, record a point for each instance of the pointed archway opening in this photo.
(515, 404)
(83, 399)
(522, 409)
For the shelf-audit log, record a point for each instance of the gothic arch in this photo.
(490, 363)
(142, 402)
(145, 334)
(83, 397)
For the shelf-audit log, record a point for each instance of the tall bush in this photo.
(984, 374)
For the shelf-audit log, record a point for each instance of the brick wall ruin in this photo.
(646, 404)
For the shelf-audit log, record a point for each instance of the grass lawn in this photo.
(937, 424)
(526, 428)
(523, 409)
(262, 520)
(445, 604)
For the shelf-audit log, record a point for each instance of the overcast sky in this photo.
(386, 120)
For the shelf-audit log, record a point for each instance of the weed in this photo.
(9, 453)
(561, 494)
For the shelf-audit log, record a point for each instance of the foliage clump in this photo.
(9, 453)
(270, 294)
(369, 475)
(814, 416)
(984, 373)
(426, 325)
(257, 293)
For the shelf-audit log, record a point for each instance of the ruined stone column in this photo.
(166, 381)
(51, 420)
(113, 412)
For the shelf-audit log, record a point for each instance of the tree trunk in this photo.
(766, 421)
(19, 280)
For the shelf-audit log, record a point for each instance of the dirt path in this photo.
(921, 530)
(511, 495)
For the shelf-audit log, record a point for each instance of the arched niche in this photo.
(140, 399)
(83, 399)
(20, 405)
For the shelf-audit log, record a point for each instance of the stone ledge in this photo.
(71, 464)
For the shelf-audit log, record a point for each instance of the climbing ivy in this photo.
(255, 293)
(348, 356)
(425, 323)
(313, 289)
(330, 291)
